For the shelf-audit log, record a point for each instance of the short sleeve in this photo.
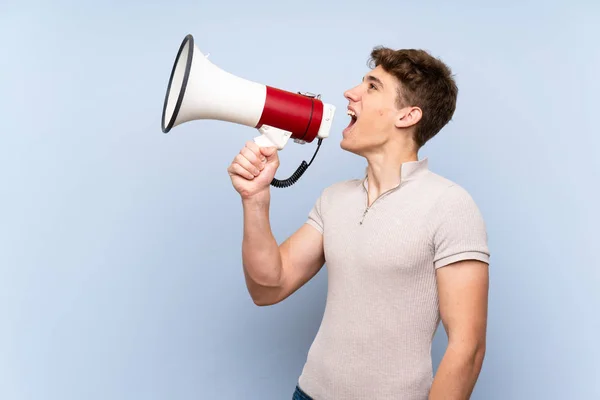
(315, 216)
(458, 229)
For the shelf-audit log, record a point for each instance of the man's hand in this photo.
(253, 169)
(463, 298)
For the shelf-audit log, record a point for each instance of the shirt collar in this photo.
(408, 170)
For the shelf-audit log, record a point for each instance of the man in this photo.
(404, 247)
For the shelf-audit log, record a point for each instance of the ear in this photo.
(408, 116)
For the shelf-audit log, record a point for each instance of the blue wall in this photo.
(120, 274)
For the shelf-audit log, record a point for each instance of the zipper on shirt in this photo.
(364, 214)
(367, 207)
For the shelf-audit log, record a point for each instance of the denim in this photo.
(300, 395)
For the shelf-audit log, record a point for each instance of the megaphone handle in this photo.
(263, 141)
(270, 136)
(277, 137)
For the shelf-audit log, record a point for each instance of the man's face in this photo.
(374, 113)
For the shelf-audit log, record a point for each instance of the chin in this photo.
(349, 145)
(349, 140)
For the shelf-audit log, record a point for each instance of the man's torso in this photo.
(382, 306)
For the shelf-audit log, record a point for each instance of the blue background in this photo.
(120, 273)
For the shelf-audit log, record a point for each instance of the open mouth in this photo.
(353, 118)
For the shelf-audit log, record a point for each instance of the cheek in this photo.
(373, 123)
(375, 117)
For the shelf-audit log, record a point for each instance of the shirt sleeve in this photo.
(458, 229)
(315, 216)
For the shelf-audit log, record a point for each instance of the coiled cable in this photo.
(298, 173)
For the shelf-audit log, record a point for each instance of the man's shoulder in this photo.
(448, 197)
(436, 183)
(342, 187)
(436, 180)
(331, 196)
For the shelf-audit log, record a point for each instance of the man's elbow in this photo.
(264, 298)
(263, 301)
(471, 351)
(478, 356)
(263, 294)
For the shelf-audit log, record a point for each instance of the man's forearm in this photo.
(457, 373)
(260, 251)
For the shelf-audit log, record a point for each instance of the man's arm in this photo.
(463, 300)
(274, 272)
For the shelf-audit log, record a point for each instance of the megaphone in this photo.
(198, 89)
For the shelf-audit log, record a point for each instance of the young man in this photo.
(404, 247)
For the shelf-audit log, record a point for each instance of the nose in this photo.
(352, 94)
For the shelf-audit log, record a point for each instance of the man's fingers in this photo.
(251, 144)
(256, 149)
(246, 164)
(254, 158)
(237, 169)
(250, 160)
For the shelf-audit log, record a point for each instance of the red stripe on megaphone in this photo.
(292, 112)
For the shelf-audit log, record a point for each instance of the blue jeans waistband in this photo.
(300, 395)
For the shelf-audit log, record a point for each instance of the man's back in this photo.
(382, 303)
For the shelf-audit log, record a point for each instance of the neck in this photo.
(383, 169)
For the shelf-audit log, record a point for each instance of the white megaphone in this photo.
(198, 89)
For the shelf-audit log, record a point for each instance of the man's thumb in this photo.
(268, 151)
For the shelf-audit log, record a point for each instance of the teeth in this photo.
(351, 113)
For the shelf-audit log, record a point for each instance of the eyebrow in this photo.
(374, 79)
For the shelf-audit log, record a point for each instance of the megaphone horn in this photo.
(198, 89)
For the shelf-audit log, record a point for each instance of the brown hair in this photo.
(425, 82)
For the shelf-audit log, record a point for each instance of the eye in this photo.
(372, 86)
